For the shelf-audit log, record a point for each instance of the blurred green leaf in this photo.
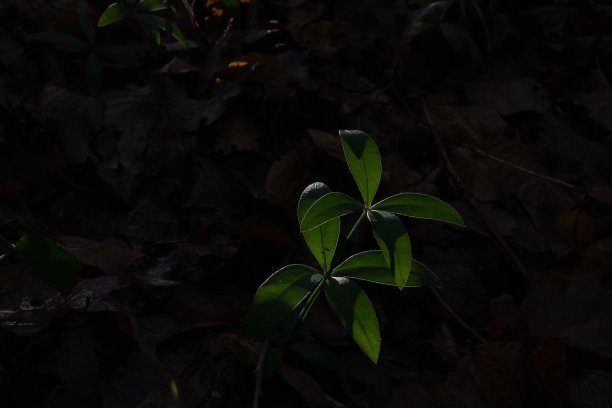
(151, 5)
(323, 239)
(87, 27)
(118, 51)
(353, 307)
(363, 159)
(58, 37)
(54, 266)
(113, 13)
(178, 35)
(420, 206)
(93, 73)
(372, 266)
(394, 242)
(274, 361)
(330, 206)
(278, 295)
(317, 355)
(232, 7)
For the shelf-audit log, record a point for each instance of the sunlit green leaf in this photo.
(58, 37)
(113, 13)
(330, 206)
(151, 5)
(394, 242)
(353, 307)
(5, 246)
(54, 266)
(317, 355)
(420, 206)
(323, 239)
(363, 159)
(278, 295)
(372, 266)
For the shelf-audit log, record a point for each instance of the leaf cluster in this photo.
(283, 300)
(93, 48)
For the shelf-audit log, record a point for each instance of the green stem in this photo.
(340, 250)
(354, 229)
(311, 299)
(317, 291)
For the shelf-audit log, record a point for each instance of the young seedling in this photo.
(285, 298)
(143, 12)
(89, 47)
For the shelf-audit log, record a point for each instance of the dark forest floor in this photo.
(175, 184)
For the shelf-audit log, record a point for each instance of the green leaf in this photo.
(363, 159)
(323, 239)
(231, 7)
(58, 37)
(151, 5)
(93, 73)
(178, 35)
(54, 266)
(87, 27)
(394, 242)
(330, 206)
(354, 309)
(5, 246)
(113, 13)
(274, 361)
(317, 355)
(151, 25)
(278, 295)
(420, 206)
(118, 51)
(372, 266)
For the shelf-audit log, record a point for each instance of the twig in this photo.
(518, 264)
(457, 317)
(523, 169)
(189, 8)
(259, 373)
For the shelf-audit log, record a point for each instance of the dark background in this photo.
(176, 188)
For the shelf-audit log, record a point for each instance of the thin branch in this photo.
(457, 317)
(259, 373)
(518, 264)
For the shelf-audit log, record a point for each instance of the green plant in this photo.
(284, 299)
(91, 48)
(54, 266)
(143, 10)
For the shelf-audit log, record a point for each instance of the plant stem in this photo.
(311, 299)
(340, 250)
(354, 229)
(317, 291)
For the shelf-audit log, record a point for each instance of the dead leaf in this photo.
(285, 180)
(328, 142)
(592, 389)
(237, 132)
(111, 259)
(579, 315)
(477, 174)
(509, 97)
(576, 226)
